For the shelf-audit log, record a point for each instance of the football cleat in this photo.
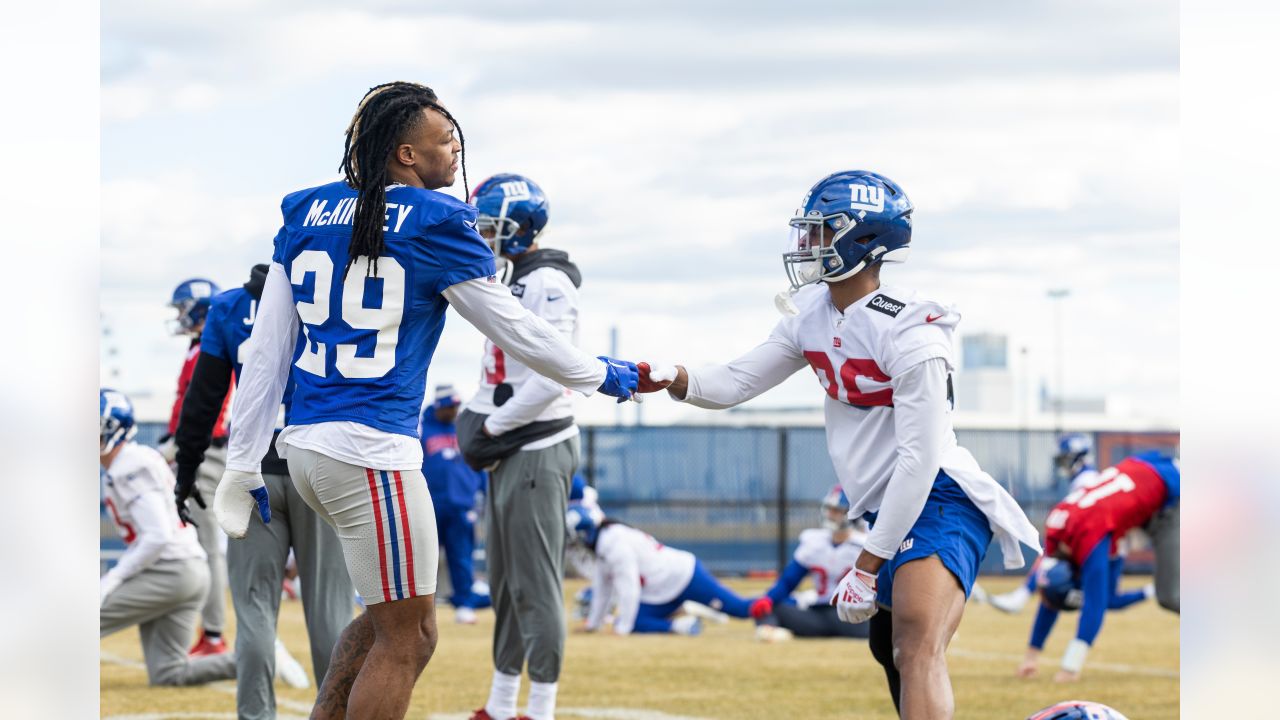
(464, 615)
(288, 669)
(1011, 602)
(773, 634)
(687, 625)
(208, 646)
(1077, 710)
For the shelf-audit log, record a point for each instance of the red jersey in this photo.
(1120, 499)
(184, 381)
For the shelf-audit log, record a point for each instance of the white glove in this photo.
(855, 597)
(107, 585)
(238, 494)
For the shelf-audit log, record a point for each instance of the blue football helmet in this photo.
(835, 510)
(513, 210)
(1059, 588)
(1077, 710)
(115, 414)
(192, 299)
(1075, 454)
(849, 221)
(583, 522)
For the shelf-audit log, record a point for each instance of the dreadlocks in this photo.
(385, 116)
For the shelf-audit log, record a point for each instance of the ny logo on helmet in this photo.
(515, 190)
(866, 198)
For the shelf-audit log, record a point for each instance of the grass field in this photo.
(725, 673)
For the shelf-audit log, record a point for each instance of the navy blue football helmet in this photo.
(192, 299)
(583, 522)
(115, 414)
(1077, 710)
(1075, 454)
(849, 221)
(1059, 588)
(513, 210)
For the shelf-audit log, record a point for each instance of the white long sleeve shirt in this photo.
(489, 306)
(633, 568)
(548, 293)
(138, 492)
(885, 366)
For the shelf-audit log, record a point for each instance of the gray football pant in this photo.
(524, 547)
(213, 612)
(256, 570)
(163, 601)
(1165, 541)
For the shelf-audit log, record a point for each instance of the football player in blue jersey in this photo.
(352, 310)
(454, 487)
(256, 565)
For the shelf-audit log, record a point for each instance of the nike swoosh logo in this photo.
(931, 318)
(553, 299)
(470, 223)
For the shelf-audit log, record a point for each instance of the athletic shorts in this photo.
(951, 527)
(383, 518)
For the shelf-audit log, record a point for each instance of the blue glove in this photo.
(620, 379)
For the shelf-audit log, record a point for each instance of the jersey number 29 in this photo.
(385, 318)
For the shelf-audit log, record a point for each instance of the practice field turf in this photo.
(725, 673)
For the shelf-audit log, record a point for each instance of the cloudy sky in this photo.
(1038, 141)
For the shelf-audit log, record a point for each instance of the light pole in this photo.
(1058, 294)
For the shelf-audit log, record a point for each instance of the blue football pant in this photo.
(703, 588)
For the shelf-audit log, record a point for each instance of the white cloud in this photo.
(673, 157)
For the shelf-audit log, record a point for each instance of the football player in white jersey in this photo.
(828, 554)
(647, 581)
(883, 356)
(162, 579)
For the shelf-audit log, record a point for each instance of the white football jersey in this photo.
(137, 470)
(548, 293)
(855, 355)
(665, 572)
(827, 562)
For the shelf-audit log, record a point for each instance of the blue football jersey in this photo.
(366, 340)
(227, 327)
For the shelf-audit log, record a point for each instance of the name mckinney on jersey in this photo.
(345, 209)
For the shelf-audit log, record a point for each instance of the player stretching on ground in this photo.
(353, 307)
(162, 578)
(256, 564)
(828, 553)
(648, 581)
(1084, 529)
(883, 356)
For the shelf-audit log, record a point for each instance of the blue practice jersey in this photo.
(366, 340)
(453, 484)
(227, 327)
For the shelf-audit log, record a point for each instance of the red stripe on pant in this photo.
(408, 539)
(382, 551)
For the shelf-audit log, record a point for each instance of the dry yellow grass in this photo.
(726, 674)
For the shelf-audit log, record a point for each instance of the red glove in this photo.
(653, 379)
(761, 607)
